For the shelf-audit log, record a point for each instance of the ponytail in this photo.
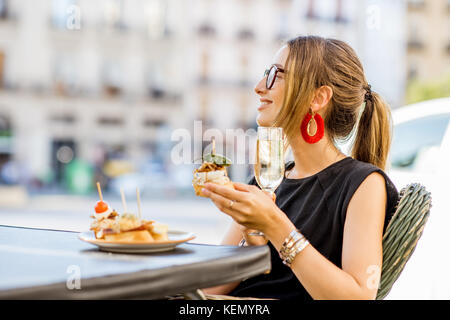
(373, 137)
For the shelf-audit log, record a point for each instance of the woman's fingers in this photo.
(241, 186)
(251, 188)
(244, 204)
(224, 191)
(234, 209)
(220, 201)
(246, 187)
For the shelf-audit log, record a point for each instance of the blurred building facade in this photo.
(93, 80)
(428, 46)
(87, 80)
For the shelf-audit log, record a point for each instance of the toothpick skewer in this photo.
(99, 191)
(213, 146)
(138, 203)
(124, 203)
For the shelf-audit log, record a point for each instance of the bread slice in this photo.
(130, 236)
(159, 232)
(198, 187)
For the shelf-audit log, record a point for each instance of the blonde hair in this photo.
(313, 62)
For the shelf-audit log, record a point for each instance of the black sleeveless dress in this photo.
(317, 205)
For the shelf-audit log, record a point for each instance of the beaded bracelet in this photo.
(292, 246)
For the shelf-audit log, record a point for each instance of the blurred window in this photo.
(245, 34)
(416, 4)
(112, 75)
(339, 12)
(310, 11)
(153, 123)
(5, 137)
(412, 71)
(414, 35)
(207, 29)
(65, 73)
(110, 121)
(156, 79)
(3, 9)
(2, 68)
(65, 119)
(5, 126)
(113, 17)
(412, 137)
(156, 12)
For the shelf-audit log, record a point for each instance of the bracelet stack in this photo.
(292, 246)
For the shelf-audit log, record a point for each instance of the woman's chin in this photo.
(263, 121)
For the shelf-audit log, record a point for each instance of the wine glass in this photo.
(269, 166)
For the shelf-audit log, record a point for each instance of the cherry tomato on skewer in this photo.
(101, 207)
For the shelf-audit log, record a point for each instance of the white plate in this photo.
(175, 238)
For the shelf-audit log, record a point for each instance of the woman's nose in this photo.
(260, 87)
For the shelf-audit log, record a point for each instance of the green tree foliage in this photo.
(419, 90)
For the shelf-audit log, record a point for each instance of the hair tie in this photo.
(368, 95)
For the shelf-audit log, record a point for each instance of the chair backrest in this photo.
(402, 233)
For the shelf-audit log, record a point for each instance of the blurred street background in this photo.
(94, 91)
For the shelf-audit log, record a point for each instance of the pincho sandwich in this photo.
(213, 169)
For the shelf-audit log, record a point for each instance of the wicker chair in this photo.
(399, 241)
(402, 233)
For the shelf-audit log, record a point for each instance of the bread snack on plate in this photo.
(130, 236)
(109, 226)
(213, 169)
(129, 228)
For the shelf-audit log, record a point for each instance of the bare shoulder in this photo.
(370, 196)
(374, 182)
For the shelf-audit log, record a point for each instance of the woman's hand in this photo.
(247, 205)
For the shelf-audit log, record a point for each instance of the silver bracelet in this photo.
(290, 241)
(292, 246)
(299, 246)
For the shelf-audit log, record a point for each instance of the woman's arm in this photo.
(361, 249)
(362, 242)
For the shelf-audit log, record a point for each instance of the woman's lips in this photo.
(264, 104)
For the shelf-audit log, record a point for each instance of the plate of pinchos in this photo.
(128, 232)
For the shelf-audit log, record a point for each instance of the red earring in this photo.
(317, 134)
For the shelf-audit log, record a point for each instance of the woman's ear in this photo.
(321, 98)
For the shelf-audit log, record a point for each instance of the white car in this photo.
(420, 152)
(420, 147)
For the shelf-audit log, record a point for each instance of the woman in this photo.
(333, 207)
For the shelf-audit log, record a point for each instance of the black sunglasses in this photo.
(271, 75)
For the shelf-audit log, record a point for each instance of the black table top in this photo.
(43, 264)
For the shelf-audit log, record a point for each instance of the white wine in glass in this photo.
(269, 166)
